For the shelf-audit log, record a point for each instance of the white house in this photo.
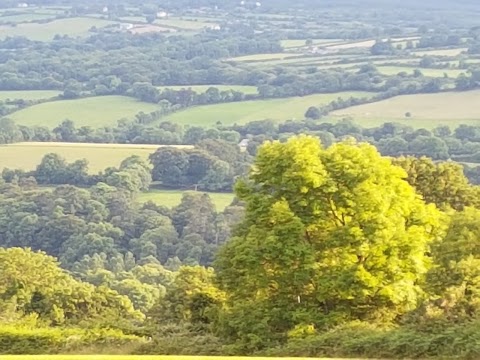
(105, 9)
(22, 5)
(162, 14)
(244, 144)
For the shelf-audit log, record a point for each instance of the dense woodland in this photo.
(342, 240)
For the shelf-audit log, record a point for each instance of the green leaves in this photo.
(328, 235)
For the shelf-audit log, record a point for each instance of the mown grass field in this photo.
(20, 18)
(246, 111)
(184, 24)
(171, 198)
(45, 32)
(94, 111)
(301, 43)
(265, 57)
(427, 110)
(27, 156)
(28, 95)
(203, 88)
(394, 70)
(440, 52)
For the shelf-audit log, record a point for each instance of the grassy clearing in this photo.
(27, 156)
(203, 88)
(440, 52)
(243, 112)
(427, 110)
(265, 57)
(45, 32)
(353, 45)
(171, 198)
(184, 24)
(21, 18)
(28, 95)
(394, 70)
(287, 44)
(94, 111)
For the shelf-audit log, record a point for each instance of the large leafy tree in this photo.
(328, 236)
(443, 184)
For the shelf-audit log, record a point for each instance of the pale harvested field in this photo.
(427, 110)
(27, 156)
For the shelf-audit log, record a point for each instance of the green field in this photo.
(45, 32)
(427, 110)
(183, 24)
(27, 156)
(28, 95)
(94, 111)
(171, 198)
(440, 52)
(394, 70)
(265, 57)
(202, 88)
(301, 43)
(20, 18)
(243, 112)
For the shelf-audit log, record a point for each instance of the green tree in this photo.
(328, 236)
(443, 184)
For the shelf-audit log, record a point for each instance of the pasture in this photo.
(427, 110)
(252, 90)
(287, 44)
(440, 52)
(181, 24)
(243, 112)
(394, 70)
(27, 156)
(28, 95)
(265, 57)
(171, 198)
(45, 32)
(93, 111)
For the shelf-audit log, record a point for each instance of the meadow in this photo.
(427, 110)
(394, 70)
(27, 156)
(250, 90)
(45, 32)
(171, 198)
(28, 95)
(93, 111)
(265, 57)
(243, 112)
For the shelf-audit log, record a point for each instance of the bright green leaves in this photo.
(329, 235)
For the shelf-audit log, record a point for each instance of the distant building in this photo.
(126, 26)
(105, 9)
(162, 14)
(244, 144)
(22, 5)
(214, 27)
(258, 4)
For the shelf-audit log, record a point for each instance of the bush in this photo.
(460, 341)
(180, 340)
(51, 341)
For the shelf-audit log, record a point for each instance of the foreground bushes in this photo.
(460, 341)
(50, 341)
